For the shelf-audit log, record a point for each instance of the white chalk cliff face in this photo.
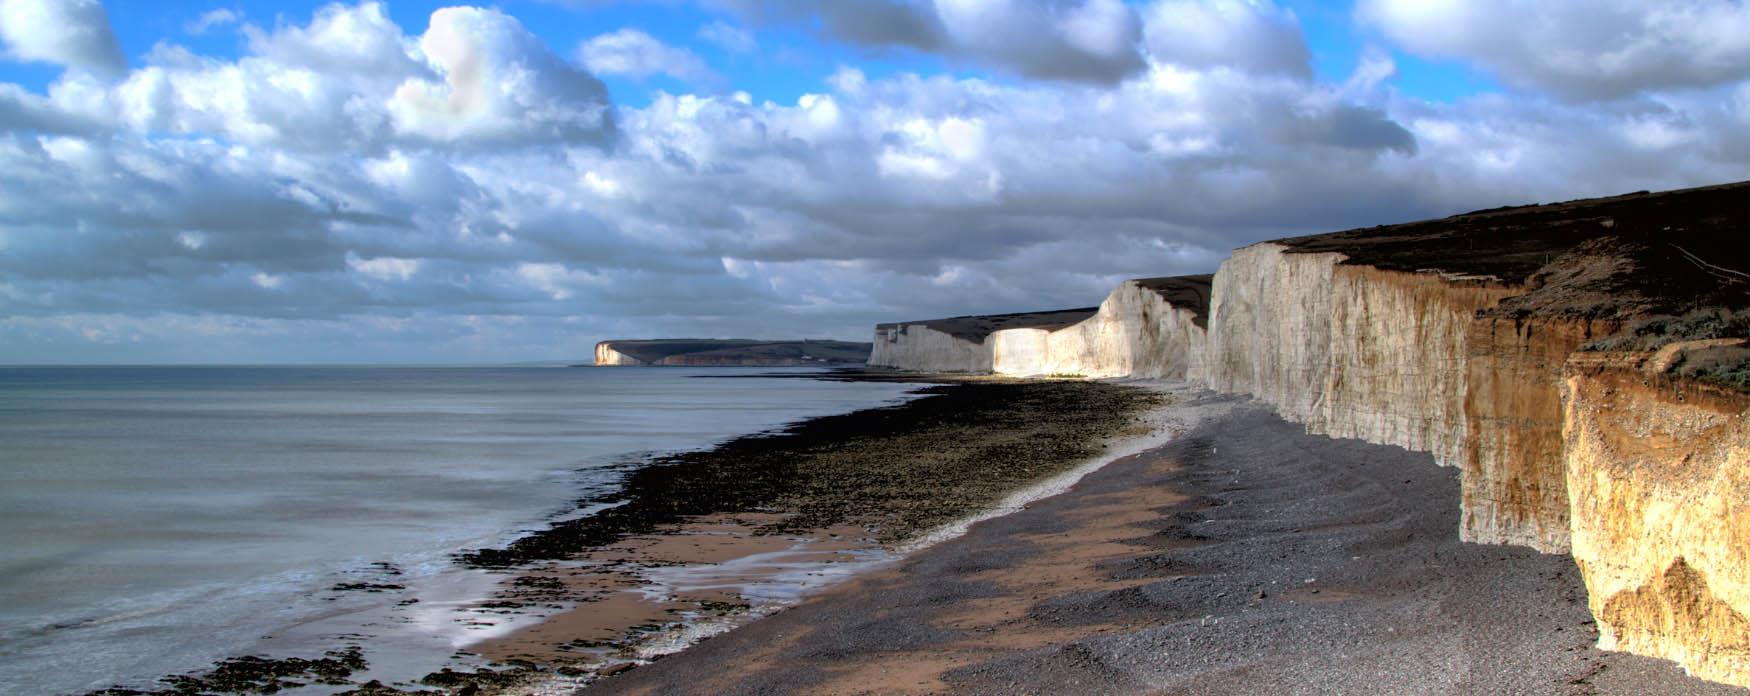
(1387, 357)
(1270, 328)
(606, 355)
(1640, 476)
(923, 349)
(1135, 333)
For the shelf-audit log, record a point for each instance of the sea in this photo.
(154, 520)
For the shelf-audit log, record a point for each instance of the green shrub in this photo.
(1654, 333)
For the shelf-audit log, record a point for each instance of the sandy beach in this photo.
(1242, 557)
(701, 542)
(1003, 537)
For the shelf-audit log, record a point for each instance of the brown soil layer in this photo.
(1604, 258)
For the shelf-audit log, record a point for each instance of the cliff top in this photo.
(653, 350)
(1185, 292)
(1618, 257)
(979, 327)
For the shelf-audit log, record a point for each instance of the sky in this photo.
(195, 181)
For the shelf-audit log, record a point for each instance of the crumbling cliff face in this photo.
(1137, 332)
(1658, 474)
(1270, 328)
(1514, 482)
(969, 343)
(1402, 358)
(920, 348)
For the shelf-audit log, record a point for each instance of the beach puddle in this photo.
(654, 594)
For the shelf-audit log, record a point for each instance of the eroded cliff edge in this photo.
(1658, 472)
(1462, 337)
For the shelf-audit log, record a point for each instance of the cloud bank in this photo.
(351, 189)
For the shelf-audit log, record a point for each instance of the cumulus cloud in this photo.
(468, 194)
(635, 54)
(211, 19)
(1073, 40)
(1579, 50)
(729, 37)
(71, 33)
(1251, 36)
(499, 84)
(352, 78)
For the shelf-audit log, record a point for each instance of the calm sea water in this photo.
(155, 519)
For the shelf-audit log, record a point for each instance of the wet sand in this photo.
(622, 598)
(703, 541)
(1244, 557)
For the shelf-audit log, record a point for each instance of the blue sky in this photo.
(791, 61)
(437, 182)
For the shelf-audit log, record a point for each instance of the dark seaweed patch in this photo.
(898, 470)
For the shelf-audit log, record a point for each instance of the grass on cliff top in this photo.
(899, 470)
(1726, 366)
(1729, 376)
(1653, 333)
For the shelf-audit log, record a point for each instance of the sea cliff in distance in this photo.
(711, 352)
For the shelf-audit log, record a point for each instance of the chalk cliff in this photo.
(1458, 337)
(1152, 328)
(1658, 474)
(958, 344)
(728, 352)
(606, 355)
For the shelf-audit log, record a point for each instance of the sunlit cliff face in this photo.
(1501, 365)
(1656, 472)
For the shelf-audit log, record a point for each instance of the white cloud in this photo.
(499, 84)
(383, 267)
(458, 195)
(554, 279)
(1250, 36)
(212, 18)
(340, 40)
(71, 33)
(350, 79)
(729, 37)
(1583, 50)
(635, 54)
(1071, 40)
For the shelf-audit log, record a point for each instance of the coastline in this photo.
(698, 542)
(1244, 556)
(640, 584)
